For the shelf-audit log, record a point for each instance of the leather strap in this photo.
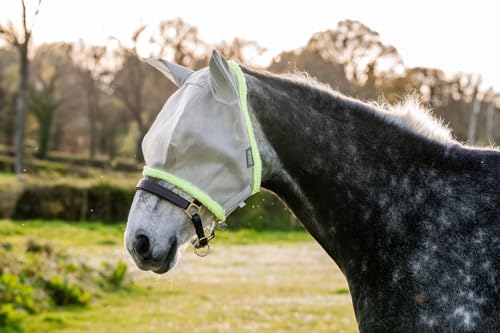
(164, 193)
(172, 197)
(198, 227)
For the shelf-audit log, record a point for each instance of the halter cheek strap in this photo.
(191, 208)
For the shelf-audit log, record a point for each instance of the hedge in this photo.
(109, 202)
(102, 201)
(65, 165)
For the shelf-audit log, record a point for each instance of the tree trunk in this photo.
(93, 106)
(490, 113)
(44, 131)
(93, 133)
(139, 157)
(21, 109)
(476, 106)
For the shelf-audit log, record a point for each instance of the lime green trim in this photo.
(207, 202)
(242, 88)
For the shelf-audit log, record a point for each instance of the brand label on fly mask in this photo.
(249, 157)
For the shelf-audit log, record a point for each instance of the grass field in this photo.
(251, 282)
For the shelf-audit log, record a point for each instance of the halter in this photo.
(191, 209)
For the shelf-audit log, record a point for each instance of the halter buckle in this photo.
(192, 209)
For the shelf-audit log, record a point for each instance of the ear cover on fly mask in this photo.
(175, 73)
(202, 140)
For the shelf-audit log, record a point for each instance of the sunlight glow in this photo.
(451, 36)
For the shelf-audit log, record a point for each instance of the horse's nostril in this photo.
(142, 247)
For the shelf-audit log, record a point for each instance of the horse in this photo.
(410, 215)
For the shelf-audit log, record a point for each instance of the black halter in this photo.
(191, 208)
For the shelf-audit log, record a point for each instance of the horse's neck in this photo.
(346, 173)
(395, 210)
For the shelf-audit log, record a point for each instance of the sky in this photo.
(450, 35)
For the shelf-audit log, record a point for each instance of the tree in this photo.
(474, 112)
(3, 96)
(43, 103)
(358, 48)
(92, 62)
(140, 88)
(21, 40)
(431, 83)
(240, 50)
(179, 41)
(314, 64)
(490, 114)
(51, 65)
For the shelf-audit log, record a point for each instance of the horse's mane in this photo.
(408, 114)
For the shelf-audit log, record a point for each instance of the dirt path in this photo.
(251, 288)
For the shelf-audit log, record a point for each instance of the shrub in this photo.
(9, 193)
(34, 246)
(109, 202)
(263, 211)
(39, 279)
(113, 276)
(64, 293)
(17, 293)
(10, 319)
(103, 201)
(6, 164)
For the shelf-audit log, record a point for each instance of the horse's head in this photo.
(201, 163)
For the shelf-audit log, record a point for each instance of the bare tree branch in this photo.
(10, 34)
(37, 10)
(25, 27)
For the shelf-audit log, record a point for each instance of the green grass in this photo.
(91, 234)
(77, 236)
(7, 177)
(270, 281)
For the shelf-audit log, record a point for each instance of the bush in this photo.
(113, 276)
(10, 319)
(103, 201)
(34, 246)
(109, 202)
(75, 200)
(64, 293)
(6, 164)
(43, 279)
(263, 211)
(17, 293)
(10, 191)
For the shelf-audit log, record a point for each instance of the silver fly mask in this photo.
(202, 141)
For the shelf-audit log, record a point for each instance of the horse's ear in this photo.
(223, 84)
(175, 73)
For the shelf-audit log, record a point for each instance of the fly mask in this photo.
(202, 142)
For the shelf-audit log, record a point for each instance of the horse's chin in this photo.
(170, 260)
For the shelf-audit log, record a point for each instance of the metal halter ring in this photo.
(196, 242)
(202, 253)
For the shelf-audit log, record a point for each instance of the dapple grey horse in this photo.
(411, 216)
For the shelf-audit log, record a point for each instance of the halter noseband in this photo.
(191, 209)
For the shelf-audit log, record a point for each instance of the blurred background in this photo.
(76, 101)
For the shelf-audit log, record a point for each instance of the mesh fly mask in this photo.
(202, 142)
